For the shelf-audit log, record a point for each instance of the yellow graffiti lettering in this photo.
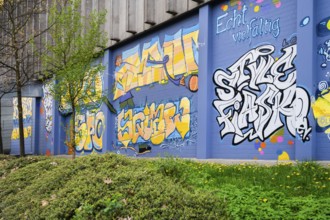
(27, 118)
(26, 106)
(81, 132)
(96, 130)
(321, 110)
(169, 114)
(158, 124)
(190, 41)
(125, 133)
(137, 119)
(89, 131)
(27, 133)
(182, 121)
(147, 130)
(283, 156)
(174, 49)
(92, 86)
(135, 70)
(154, 73)
(154, 123)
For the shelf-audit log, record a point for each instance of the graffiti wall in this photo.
(154, 92)
(256, 98)
(90, 121)
(27, 105)
(175, 60)
(46, 120)
(259, 111)
(321, 97)
(235, 79)
(90, 130)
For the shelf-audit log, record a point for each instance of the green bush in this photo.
(101, 187)
(111, 186)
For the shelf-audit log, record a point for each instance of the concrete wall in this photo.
(7, 121)
(125, 18)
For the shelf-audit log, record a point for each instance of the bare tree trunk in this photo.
(1, 142)
(20, 121)
(19, 103)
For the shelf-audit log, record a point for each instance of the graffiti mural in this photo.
(321, 107)
(243, 29)
(90, 121)
(257, 4)
(48, 107)
(320, 104)
(92, 101)
(305, 21)
(323, 27)
(324, 51)
(173, 61)
(258, 93)
(89, 131)
(276, 138)
(153, 124)
(166, 62)
(27, 118)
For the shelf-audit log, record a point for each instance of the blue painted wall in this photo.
(154, 84)
(254, 81)
(29, 106)
(321, 92)
(47, 111)
(238, 79)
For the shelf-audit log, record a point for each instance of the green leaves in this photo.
(76, 42)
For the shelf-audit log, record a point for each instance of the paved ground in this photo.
(231, 161)
(257, 162)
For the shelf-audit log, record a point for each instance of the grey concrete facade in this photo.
(126, 18)
(6, 120)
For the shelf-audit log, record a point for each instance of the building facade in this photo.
(230, 79)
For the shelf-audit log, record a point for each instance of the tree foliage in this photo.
(77, 42)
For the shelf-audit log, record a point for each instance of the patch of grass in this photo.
(285, 191)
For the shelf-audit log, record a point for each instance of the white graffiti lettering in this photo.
(324, 51)
(259, 93)
(48, 105)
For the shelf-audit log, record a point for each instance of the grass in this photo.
(285, 191)
(115, 187)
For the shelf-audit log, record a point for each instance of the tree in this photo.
(18, 49)
(7, 85)
(76, 42)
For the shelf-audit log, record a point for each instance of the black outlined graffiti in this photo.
(258, 94)
(324, 51)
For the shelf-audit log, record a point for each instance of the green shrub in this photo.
(102, 187)
(111, 186)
